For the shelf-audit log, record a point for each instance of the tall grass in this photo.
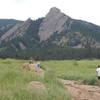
(14, 81)
(81, 70)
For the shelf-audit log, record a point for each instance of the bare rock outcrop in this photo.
(53, 22)
(36, 85)
(17, 30)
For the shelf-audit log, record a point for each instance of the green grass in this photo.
(14, 81)
(81, 70)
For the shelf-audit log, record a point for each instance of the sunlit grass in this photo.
(82, 70)
(14, 81)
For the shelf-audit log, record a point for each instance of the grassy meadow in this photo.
(14, 80)
(81, 70)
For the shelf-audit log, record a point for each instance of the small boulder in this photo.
(36, 85)
(32, 67)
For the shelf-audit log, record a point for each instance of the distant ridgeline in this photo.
(56, 36)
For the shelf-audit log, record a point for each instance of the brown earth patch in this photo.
(36, 85)
(80, 91)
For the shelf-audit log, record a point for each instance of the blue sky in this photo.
(22, 9)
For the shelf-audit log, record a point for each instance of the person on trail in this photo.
(37, 65)
(98, 74)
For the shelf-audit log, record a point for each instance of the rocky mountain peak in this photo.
(28, 20)
(55, 33)
(53, 22)
(17, 30)
(54, 10)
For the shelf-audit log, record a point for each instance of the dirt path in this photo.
(82, 92)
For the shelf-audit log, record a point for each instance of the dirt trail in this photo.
(80, 91)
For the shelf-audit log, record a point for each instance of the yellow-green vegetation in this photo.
(14, 81)
(81, 70)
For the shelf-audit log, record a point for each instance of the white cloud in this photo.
(22, 9)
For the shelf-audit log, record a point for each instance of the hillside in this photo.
(4, 22)
(54, 34)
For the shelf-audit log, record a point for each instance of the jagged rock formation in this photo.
(56, 31)
(5, 28)
(56, 28)
(53, 22)
(18, 29)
